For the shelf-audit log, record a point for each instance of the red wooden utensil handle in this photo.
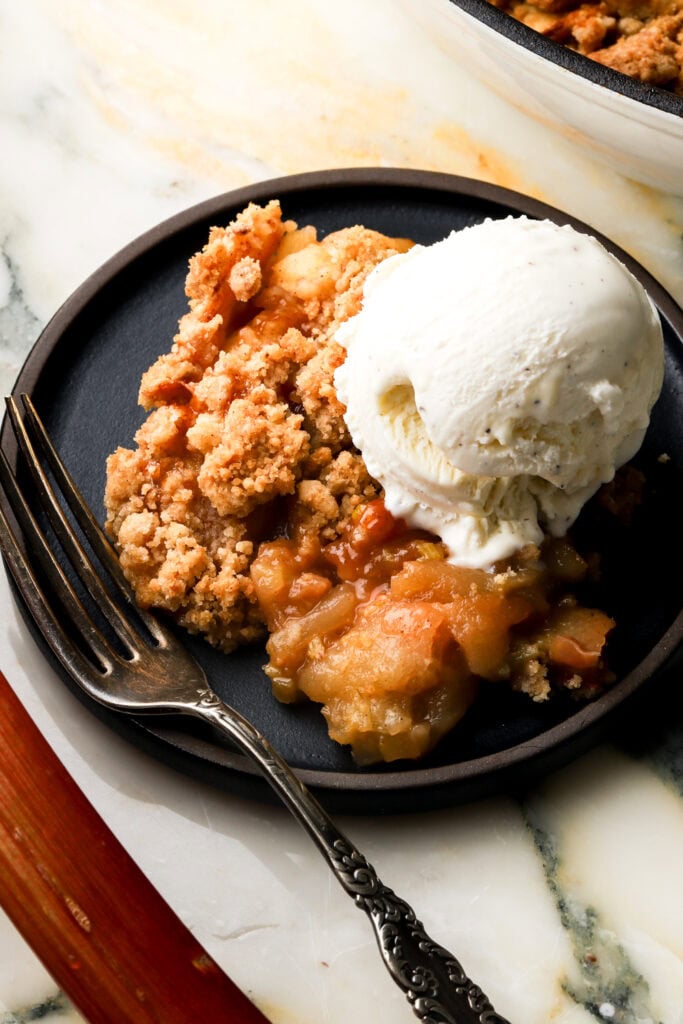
(100, 928)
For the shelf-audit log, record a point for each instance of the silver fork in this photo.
(159, 676)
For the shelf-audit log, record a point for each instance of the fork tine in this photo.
(28, 584)
(68, 539)
(98, 539)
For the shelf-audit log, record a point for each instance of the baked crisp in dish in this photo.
(640, 38)
(244, 509)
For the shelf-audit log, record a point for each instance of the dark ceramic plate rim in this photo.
(584, 67)
(196, 755)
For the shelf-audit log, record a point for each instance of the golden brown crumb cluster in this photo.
(640, 38)
(242, 411)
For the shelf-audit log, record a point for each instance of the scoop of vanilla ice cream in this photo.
(495, 379)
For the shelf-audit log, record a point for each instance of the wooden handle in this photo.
(103, 932)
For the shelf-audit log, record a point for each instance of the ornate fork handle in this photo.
(433, 981)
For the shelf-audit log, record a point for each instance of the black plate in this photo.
(83, 375)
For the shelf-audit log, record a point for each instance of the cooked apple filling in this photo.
(244, 507)
(392, 639)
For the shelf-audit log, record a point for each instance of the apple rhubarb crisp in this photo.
(244, 511)
(641, 38)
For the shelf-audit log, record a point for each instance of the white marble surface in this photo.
(567, 907)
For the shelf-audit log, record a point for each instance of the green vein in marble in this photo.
(608, 986)
(19, 326)
(52, 1008)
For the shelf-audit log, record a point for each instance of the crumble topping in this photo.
(242, 411)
